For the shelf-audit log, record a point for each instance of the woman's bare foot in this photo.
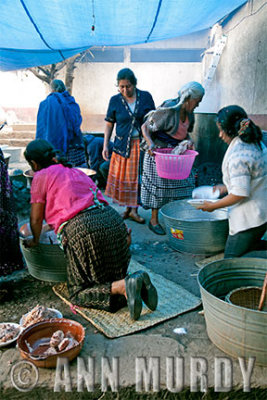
(135, 217)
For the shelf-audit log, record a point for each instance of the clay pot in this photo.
(34, 334)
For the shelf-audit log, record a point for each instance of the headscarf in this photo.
(58, 86)
(192, 89)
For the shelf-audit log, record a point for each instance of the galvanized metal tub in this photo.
(238, 331)
(45, 261)
(195, 231)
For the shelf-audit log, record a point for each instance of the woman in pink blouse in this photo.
(93, 235)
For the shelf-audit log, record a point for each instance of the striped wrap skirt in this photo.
(76, 156)
(157, 191)
(122, 184)
(95, 245)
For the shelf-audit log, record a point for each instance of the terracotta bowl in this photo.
(37, 333)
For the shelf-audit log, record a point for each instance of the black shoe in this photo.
(157, 229)
(149, 293)
(133, 285)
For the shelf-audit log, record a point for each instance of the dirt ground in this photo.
(25, 291)
(153, 252)
(130, 394)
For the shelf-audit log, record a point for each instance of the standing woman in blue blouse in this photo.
(127, 110)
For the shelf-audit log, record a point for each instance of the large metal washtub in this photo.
(238, 331)
(45, 261)
(194, 231)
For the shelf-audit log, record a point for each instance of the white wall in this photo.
(95, 83)
(20, 88)
(241, 76)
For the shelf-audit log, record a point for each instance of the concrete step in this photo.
(23, 127)
(17, 135)
(15, 142)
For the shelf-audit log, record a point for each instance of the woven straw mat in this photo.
(207, 260)
(173, 300)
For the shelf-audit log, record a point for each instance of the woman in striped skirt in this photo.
(93, 235)
(167, 126)
(127, 110)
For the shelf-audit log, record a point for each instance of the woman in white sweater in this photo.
(245, 182)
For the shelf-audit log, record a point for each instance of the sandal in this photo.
(125, 215)
(137, 218)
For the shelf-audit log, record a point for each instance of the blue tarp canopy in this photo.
(41, 32)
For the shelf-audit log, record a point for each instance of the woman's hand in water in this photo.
(28, 243)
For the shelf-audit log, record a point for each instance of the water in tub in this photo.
(47, 236)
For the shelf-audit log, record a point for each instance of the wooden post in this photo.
(263, 293)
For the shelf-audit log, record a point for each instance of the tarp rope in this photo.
(37, 29)
(155, 20)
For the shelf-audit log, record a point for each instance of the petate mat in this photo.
(207, 260)
(220, 256)
(173, 300)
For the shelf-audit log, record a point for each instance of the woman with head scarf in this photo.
(244, 171)
(167, 126)
(93, 235)
(126, 110)
(59, 122)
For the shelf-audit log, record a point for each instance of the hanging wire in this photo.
(93, 16)
(247, 16)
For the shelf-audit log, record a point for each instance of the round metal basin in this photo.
(7, 158)
(195, 231)
(45, 261)
(238, 331)
(29, 174)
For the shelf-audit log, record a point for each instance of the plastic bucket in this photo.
(174, 166)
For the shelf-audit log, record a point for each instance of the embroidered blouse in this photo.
(127, 121)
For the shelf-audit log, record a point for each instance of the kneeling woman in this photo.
(93, 235)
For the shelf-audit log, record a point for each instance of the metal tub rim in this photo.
(45, 262)
(182, 219)
(236, 330)
(200, 233)
(223, 301)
